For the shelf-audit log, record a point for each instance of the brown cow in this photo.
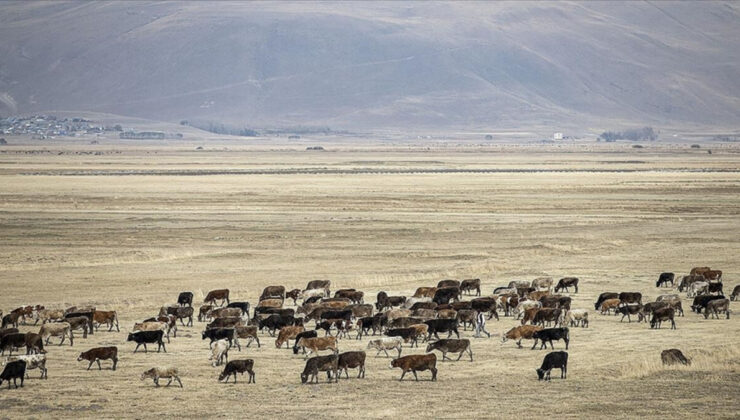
(416, 362)
(286, 334)
(273, 292)
(109, 318)
(529, 315)
(218, 294)
(316, 344)
(470, 285)
(524, 332)
(674, 356)
(609, 305)
(100, 353)
(425, 292)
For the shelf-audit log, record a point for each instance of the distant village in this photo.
(42, 127)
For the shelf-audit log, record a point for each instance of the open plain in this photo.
(126, 227)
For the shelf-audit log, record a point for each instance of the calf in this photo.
(147, 337)
(416, 362)
(442, 325)
(13, 370)
(660, 315)
(451, 346)
(627, 310)
(100, 353)
(215, 334)
(553, 360)
(605, 296)
(304, 334)
(664, 279)
(238, 366)
(219, 352)
(219, 294)
(716, 307)
(470, 285)
(33, 361)
(674, 356)
(286, 334)
(609, 305)
(565, 283)
(56, 329)
(385, 344)
(351, 360)
(12, 342)
(110, 318)
(314, 365)
(165, 372)
(577, 317)
(185, 298)
(316, 344)
(550, 334)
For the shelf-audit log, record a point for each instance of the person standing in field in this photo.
(480, 325)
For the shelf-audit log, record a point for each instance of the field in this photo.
(128, 226)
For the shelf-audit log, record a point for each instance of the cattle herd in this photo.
(395, 323)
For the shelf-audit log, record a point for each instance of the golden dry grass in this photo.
(131, 243)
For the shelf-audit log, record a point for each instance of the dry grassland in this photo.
(131, 243)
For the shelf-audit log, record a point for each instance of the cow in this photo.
(660, 315)
(220, 352)
(162, 372)
(11, 319)
(627, 310)
(630, 297)
(674, 356)
(605, 296)
(735, 293)
(238, 366)
(416, 362)
(687, 281)
(509, 302)
(542, 283)
(451, 346)
(425, 292)
(396, 313)
(700, 302)
(185, 299)
(341, 314)
(446, 294)
(204, 313)
(448, 283)
(227, 313)
(34, 344)
(485, 304)
(442, 325)
(14, 370)
(716, 307)
(242, 306)
(248, 332)
(78, 323)
(11, 342)
(547, 315)
(57, 329)
(447, 314)
(180, 312)
(216, 334)
(565, 283)
(319, 284)
(351, 360)
(470, 285)
(514, 284)
(273, 292)
(715, 287)
(275, 322)
(525, 305)
(304, 334)
(49, 315)
(33, 361)
(699, 270)
(147, 337)
(384, 301)
(218, 294)
(647, 309)
(576, 317)
(466, 317)
(664, 279)
(110, 318)
(316, 344)
(713, 275)
(549, 334)
(553, 360)
(364, 325)
(609, 305)
(100, 353)
(286, 334)
(529, 315)
(269, 303)
(294, 294)
(314, 365)
(6, 331)
(673, 300)
(407, 334)
(697, 288)
(355, 296)
(386, 343)
(228, 322)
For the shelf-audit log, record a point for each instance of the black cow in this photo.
(550, 334)
(442, 325)
(275, 322)
(345, 314)
(238, 366)
(318, 364)
(89, 315)
(12, 341)
(664, 279)
(215, 334)
(185, 298)
(304, 334)
(605, 296)
(147, 337)
(408, 334)
(630, 297)
(565, 283)
(700, 302)
(470, 285)
(244, 306)
(715, 287)
(14, 370)
(445, 295)
(554, 360)
(485, 305)
(364, 325)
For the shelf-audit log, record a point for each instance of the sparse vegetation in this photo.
(637, 134)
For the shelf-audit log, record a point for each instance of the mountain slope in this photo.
(376, 64)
